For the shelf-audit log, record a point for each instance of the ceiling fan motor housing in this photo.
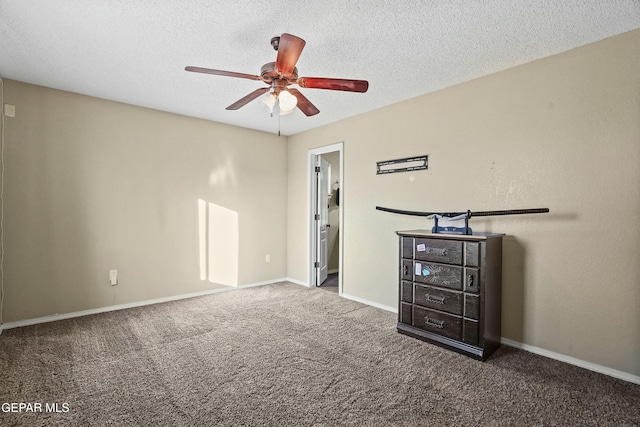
(269, 72)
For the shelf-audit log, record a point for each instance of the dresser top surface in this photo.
(428, 233)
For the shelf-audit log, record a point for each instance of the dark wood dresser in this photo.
(450, 290)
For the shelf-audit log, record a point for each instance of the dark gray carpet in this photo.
(331, 283)
(286, 355)
(332, 280)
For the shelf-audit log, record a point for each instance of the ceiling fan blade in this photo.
(334, 84)
(289, 50)
(304, 104)
(222, 73)
(244, 101)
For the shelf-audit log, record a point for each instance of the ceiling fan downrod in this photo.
(275, 42)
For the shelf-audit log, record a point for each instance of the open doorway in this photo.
(325, 220)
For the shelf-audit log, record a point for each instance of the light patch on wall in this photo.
(218, 243)
(223, 175)
(217, 177)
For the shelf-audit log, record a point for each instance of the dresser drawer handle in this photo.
(435, 300)
(470, 280)
(405, 270)
(432, 322)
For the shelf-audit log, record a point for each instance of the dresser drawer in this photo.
(438, 323)
(406, 269)
(472, 254)
(470, 333)
(447, 276)
(472, 306)
(407, 292)
(471, 280)
(444, 251)
(449, 301)
(405, 313)
(407, 247)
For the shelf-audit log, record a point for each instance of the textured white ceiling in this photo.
(135, 51)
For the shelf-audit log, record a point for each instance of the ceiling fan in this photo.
(282, 73)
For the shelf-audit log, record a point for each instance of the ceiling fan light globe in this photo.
(283, 112)
(270, 101)
(287, 102)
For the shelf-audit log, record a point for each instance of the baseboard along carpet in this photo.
(284, 355)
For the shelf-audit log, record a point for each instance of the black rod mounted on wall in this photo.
(454, 216)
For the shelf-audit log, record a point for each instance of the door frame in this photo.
(311, 204)
(323, 181)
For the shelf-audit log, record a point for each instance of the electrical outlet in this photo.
(267, 258)
(113, 277)
(9, 110)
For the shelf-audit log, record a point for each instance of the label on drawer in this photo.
(421, 247)
(418, 268)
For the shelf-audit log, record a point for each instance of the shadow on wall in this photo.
(514, 272)
(513, 288)
(218, 243)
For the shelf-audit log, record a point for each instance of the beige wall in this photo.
(93, 185)
(563, 133)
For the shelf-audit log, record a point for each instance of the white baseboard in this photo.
(573, 361)
(371, 303)
(332, 271)
(297, 282)
(53, 318)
